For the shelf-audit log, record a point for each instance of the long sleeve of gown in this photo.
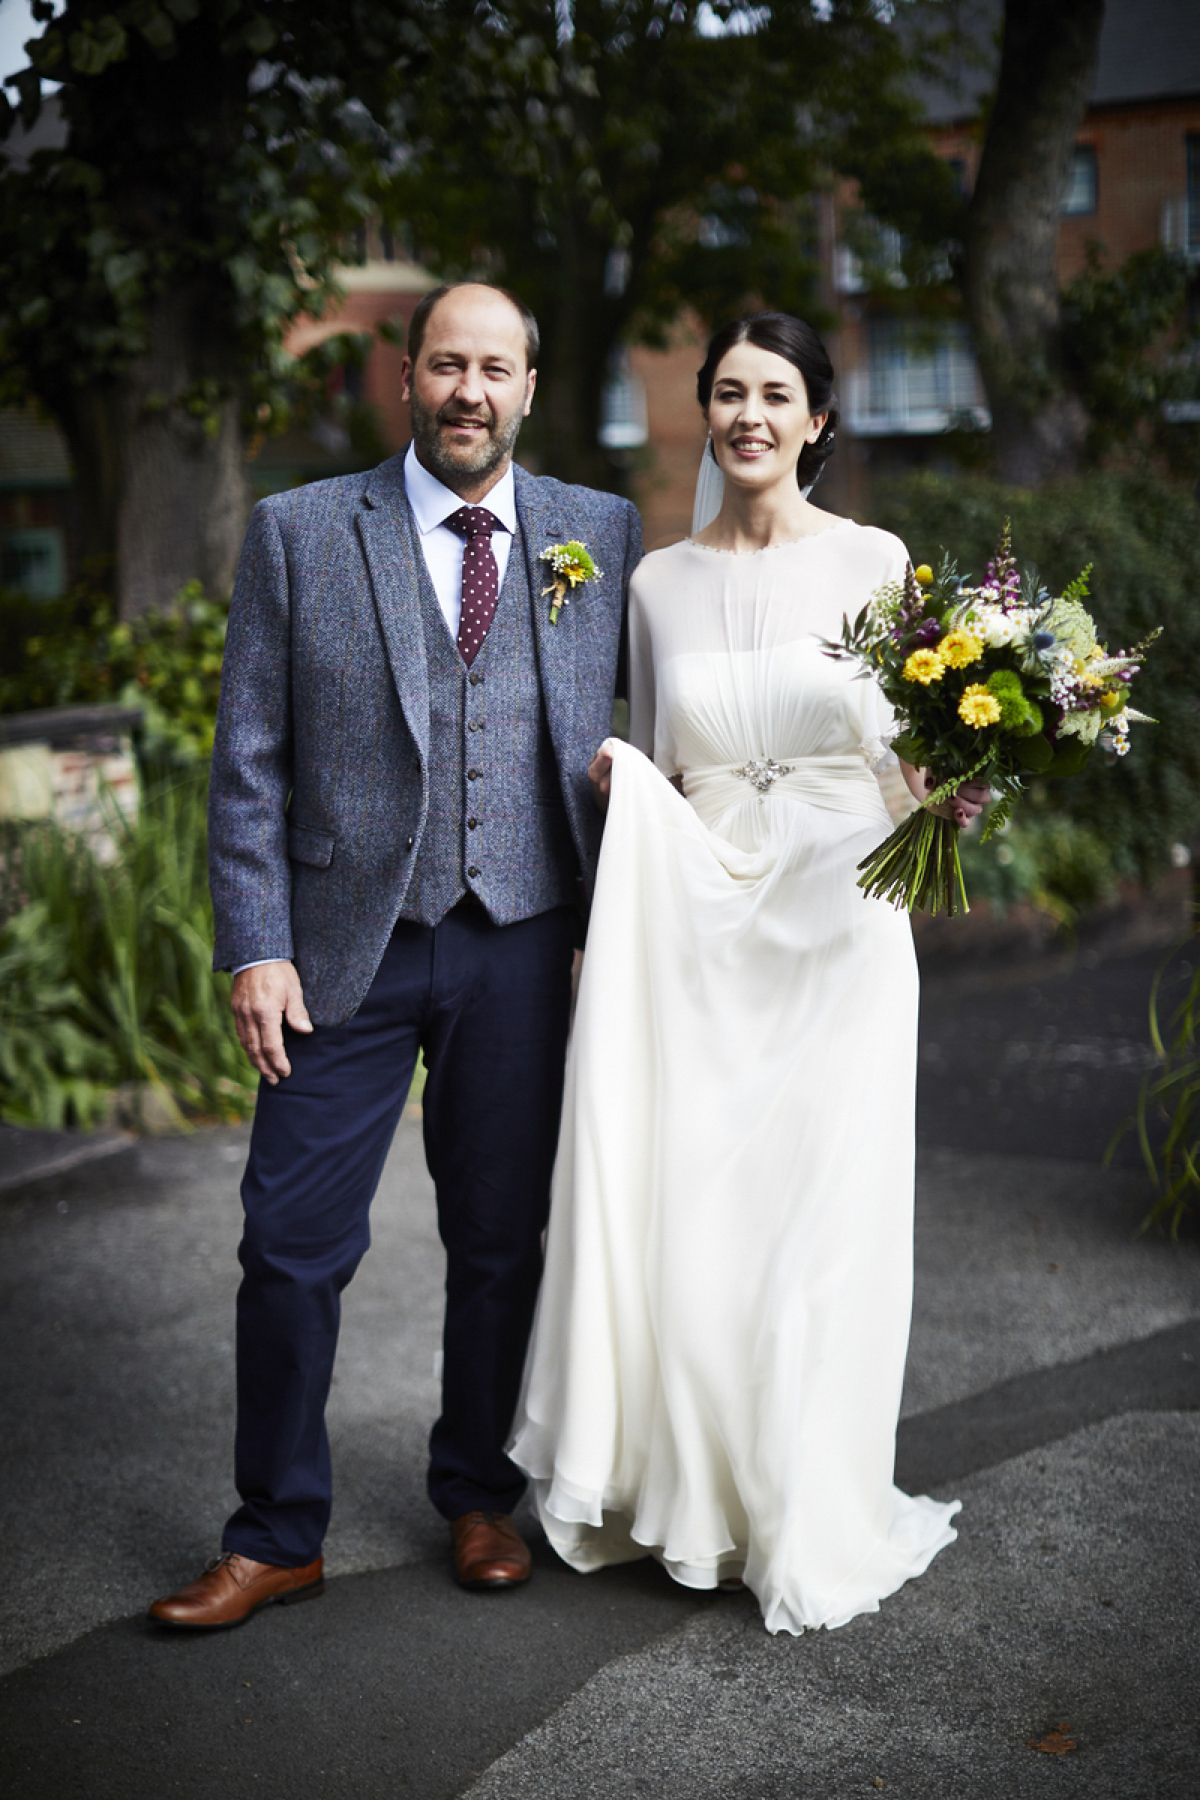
(641, 677)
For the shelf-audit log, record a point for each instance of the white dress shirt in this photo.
(442, 548)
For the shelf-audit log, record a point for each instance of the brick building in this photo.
(903, 384)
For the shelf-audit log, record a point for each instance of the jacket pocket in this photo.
(312, 847)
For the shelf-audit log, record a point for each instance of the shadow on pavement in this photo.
(395, 1683)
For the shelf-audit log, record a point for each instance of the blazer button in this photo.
(471, 824)
(409, 842)
(472, 871)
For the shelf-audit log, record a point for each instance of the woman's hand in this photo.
(600, 776)
(966, 802)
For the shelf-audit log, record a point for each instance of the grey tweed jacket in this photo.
(320, 774)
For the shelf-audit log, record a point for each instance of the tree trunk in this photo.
(1010, 278)
(160, 458)
(581, 325)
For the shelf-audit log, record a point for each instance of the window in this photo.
(1192, 238)
(917, 381)
(957, 166)
(34, 562)
(622, 406)
(1080, 197)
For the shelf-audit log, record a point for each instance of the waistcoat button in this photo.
(475, 678)
(472, 774)
(472, 871)
(471, 824)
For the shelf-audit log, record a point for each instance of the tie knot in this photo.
(474, 521)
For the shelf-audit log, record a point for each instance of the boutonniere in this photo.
(571, 564)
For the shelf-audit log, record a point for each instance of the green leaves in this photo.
(192, 164)
(1035, 753)
(105, 973)
(96, 44)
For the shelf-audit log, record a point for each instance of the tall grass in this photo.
(105, 970)
(1167, 1117)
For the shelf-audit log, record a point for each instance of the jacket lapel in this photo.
(542, 523)
(393, 552)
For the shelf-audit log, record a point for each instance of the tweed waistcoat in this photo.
(496, 823)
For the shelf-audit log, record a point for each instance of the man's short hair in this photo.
(420, 318)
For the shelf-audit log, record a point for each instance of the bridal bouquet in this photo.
(997, 683)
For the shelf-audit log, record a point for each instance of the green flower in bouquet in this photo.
(996, 683)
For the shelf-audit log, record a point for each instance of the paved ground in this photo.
(1053, 1385)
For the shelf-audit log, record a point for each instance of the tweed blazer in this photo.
(320, 772)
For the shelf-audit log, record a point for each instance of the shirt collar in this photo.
(432, 502)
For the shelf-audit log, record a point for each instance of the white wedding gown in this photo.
(715, 1372)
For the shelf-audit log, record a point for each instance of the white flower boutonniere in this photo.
(571, 565)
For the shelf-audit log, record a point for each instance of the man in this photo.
(402, 834)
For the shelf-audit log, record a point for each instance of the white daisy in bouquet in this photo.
(999, 683)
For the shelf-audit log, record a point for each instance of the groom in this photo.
(402, 838)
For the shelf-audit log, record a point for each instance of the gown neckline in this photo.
(766, 549)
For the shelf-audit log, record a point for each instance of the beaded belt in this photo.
(837, 783)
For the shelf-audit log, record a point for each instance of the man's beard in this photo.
(477, 462)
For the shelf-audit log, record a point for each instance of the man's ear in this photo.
(530, 384)
(406, 370)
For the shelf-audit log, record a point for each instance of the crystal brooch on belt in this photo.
(763, 773)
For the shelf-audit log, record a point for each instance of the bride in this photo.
(715, 1371)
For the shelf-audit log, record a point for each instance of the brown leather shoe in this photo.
(231, 1588)
(489, 1552)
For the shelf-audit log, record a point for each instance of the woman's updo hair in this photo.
(798, 344)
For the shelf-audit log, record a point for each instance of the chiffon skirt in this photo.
(715, 1371)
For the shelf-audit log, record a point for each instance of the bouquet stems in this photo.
(918, 867)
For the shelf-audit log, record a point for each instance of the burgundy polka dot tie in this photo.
(480, 577)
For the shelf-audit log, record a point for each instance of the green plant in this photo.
(1142, 532)
(107, 973)
(53, 1072)
(1170, 1095)
(75, 651)
(1117, 327)
(1042, 859)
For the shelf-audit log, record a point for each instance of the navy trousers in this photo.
(490, 1007)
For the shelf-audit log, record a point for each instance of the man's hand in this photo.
(263, 996)
(600, 776)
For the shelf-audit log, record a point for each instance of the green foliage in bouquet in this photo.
(105, 970)
(1141, 532)
(76, 651)
(998, 682)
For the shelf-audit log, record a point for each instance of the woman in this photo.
(716, 1367)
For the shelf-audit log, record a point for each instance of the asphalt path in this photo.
(1042, 1058)
(1053, 1385)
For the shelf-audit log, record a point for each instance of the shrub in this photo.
(1142, 532)
(106, 970)
(1041, 858)
(75, 650)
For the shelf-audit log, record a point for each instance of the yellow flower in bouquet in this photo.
(924, 666)
(958, 649)
(979, 707)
